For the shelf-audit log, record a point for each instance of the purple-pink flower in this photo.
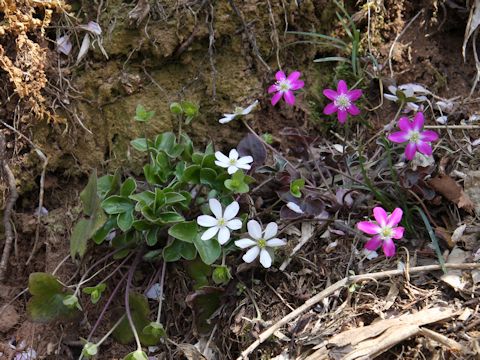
(384, 229)
(342, 101)
(412, 133)
(285, 86)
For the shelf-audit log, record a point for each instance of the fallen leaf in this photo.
(449, 188)
(454, 278)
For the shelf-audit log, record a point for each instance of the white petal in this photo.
(265, 258)
(254, 229)
(93, 27)
(294, 207)
(210, 233)
(231, 211)
(249, 109)
(245, 243)
(233, 154)
(216, 208)
(245, 160)
(390, 97)
(227, 118)
(251, 254)
(232, 169)
(245, 167)
(207, 221)
(223, 235)
(222, 164)
(270, 231)
(84, 48)
(221, 157)
(234, 224)
(275, 242)
(392, 89)
(64, 45)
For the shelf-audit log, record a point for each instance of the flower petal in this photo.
(330, 94)
(330, 109)
(231, 211)
(380, 216)
(424, 148)
(221, 157)
(249, 108)
(354, 95)
(342, 116)
(251, 254)
(245, 243)
(398, 232)
(398, 137)
(223, 235)
(395, 217)
(232, 169)
(373, 244)
(404, 124)
(227, 118)
(388, 247)
(296, 85)
(289, 97)
(275, 242)
(410, 151)
(254, 229)
(276, 98)
(270, 231)
(245, 160)
(210, 233)
(272, 88)
(368, 227)
(233, 155)
(294, 76)
(390, 97)
(221, 164)
(265, 259)
(428, 135)
(418, 121)
(353, 110)
(207, 221)
(342, 87)
(216, 208)
(280, 75)
(244, 166)
(234, 224)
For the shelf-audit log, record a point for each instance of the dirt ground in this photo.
(423, 40)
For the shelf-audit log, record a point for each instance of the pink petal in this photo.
(404, 124)
(331, 94)
(354, 94)
(395, 217)
(280, 75)
(380, 216)
(272, 88)
(428, 135)
(424, 148)
(330, 109)
(297, 85)
(342, 116)
(374, 243)
(289, 97)
(388, 247)
(353, 110)
(276, 98)
(418, 121)
(294, 76)
(342, 87)
(410, 151)
(398, 232)
(368, 227)
(398, 137)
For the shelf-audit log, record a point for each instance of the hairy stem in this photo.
(127, 299)
(160, 295)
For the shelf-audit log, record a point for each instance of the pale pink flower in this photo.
(285, 86)
(384, 229)
(342, 101)
(412, 133)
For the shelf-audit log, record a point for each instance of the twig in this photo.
(337, 286)
(12, 198)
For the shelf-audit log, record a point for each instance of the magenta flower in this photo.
(342, 101)
(412, 132)
(384, 228)
(285, 87)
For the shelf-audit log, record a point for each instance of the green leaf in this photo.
(296, 187)
(209, 250)
(108, 184)
(89, 349)
(204, 302)
(185, 231)
(199, 272)
(221, 275)
(142, 115)
(176, 108)
(116, 204)
(43, 284)
(153, 255)
(237, 183)
(179, 249)
(83, 231)
(145, 197)
(192, 174)
(102, 233)
(95, 292)
(128, 187)
(208, 176)
(71, 301)
(136, 355)
(125, 220)
(169, 217)
(173, 197)
(140, 144)
(89, 195)
(155, 329)
(152, 236)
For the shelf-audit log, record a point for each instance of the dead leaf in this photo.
(191, 352)
(472, 189)
(454, 278)
(449, 188)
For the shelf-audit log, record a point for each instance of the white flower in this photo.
(93, 27)
(262, 244)
(232, 162)
(239, 111)
(294, 207)
(410, 91)
(222, 223)
(64, 45)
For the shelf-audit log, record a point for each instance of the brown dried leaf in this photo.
(449, 188)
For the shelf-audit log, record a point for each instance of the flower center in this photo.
(342, 102)
(262, 243)
(221, 222)
(283, 85)
(414, 136)
(232, 161)
(386, 233)
(238, 110)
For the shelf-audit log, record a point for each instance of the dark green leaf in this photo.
(136, 355)
(102, 233)
(89, 195)
(199, 272)
(209, 250)
(116, 204)
(208, 176)
(108, 185)
(155, 329)
(204, 302)
(173, 197)
(125, 220)
(192, 174)
(139, 144)
(128, 187)
(83, 231)
(152, 236)
(185, 231)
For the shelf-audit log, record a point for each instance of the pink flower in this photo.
(285, 87)
(384, 228)
(342, 101)
(412, 133)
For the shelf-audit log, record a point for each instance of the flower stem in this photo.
(160, 295)
(131, 271)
